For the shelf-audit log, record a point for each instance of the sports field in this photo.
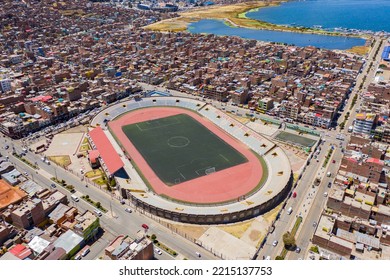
(178, 148)
(295, 139)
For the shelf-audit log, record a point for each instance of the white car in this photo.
(275, 243)
(325, 194)
(158, 251)
(128, 210)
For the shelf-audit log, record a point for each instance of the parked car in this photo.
(275, 243)
(158, 251)
(97, 213)
(128, 210)
(297, 250)
(145, 226)
(85, 251)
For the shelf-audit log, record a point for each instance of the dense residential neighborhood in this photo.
(70, 189)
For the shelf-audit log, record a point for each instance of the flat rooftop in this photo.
(9, 194)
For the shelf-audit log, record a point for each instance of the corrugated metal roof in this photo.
(68, 241)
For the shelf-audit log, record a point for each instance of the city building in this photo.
(70, 242)
(364, 123)
(123, 248)
(87, 225)
(265, 104)
(5, 85)
(28, 214)
(10, 195)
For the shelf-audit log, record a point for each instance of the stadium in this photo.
(187, 161)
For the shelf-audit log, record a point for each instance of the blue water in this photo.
(352, 14)
(299, 39)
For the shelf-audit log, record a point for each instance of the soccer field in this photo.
(179, 149)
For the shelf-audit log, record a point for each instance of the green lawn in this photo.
(179, 149)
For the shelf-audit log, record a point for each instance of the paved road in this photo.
(116, 219)
(317, 199)
(285, 222)
(98, 247)
(306, 230)
(369, 73)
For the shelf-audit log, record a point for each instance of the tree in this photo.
(112, 182)
(98, 204)
(288, 240)
(315, 249)
(153, 237)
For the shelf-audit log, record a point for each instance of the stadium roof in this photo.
(110, 158)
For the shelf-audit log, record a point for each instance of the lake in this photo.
(217, 27)
(352, 14)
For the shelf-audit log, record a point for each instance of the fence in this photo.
(303, 129)
(269, 120)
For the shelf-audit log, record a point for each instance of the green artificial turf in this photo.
(178, 148)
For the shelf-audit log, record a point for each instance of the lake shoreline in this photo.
(234, 16)
(238, 17)
(222, 28)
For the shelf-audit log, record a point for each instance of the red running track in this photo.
(224, 185)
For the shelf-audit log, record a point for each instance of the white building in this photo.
(364, 122)
(5, 85)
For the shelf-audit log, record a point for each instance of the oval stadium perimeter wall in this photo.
(272, 193)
